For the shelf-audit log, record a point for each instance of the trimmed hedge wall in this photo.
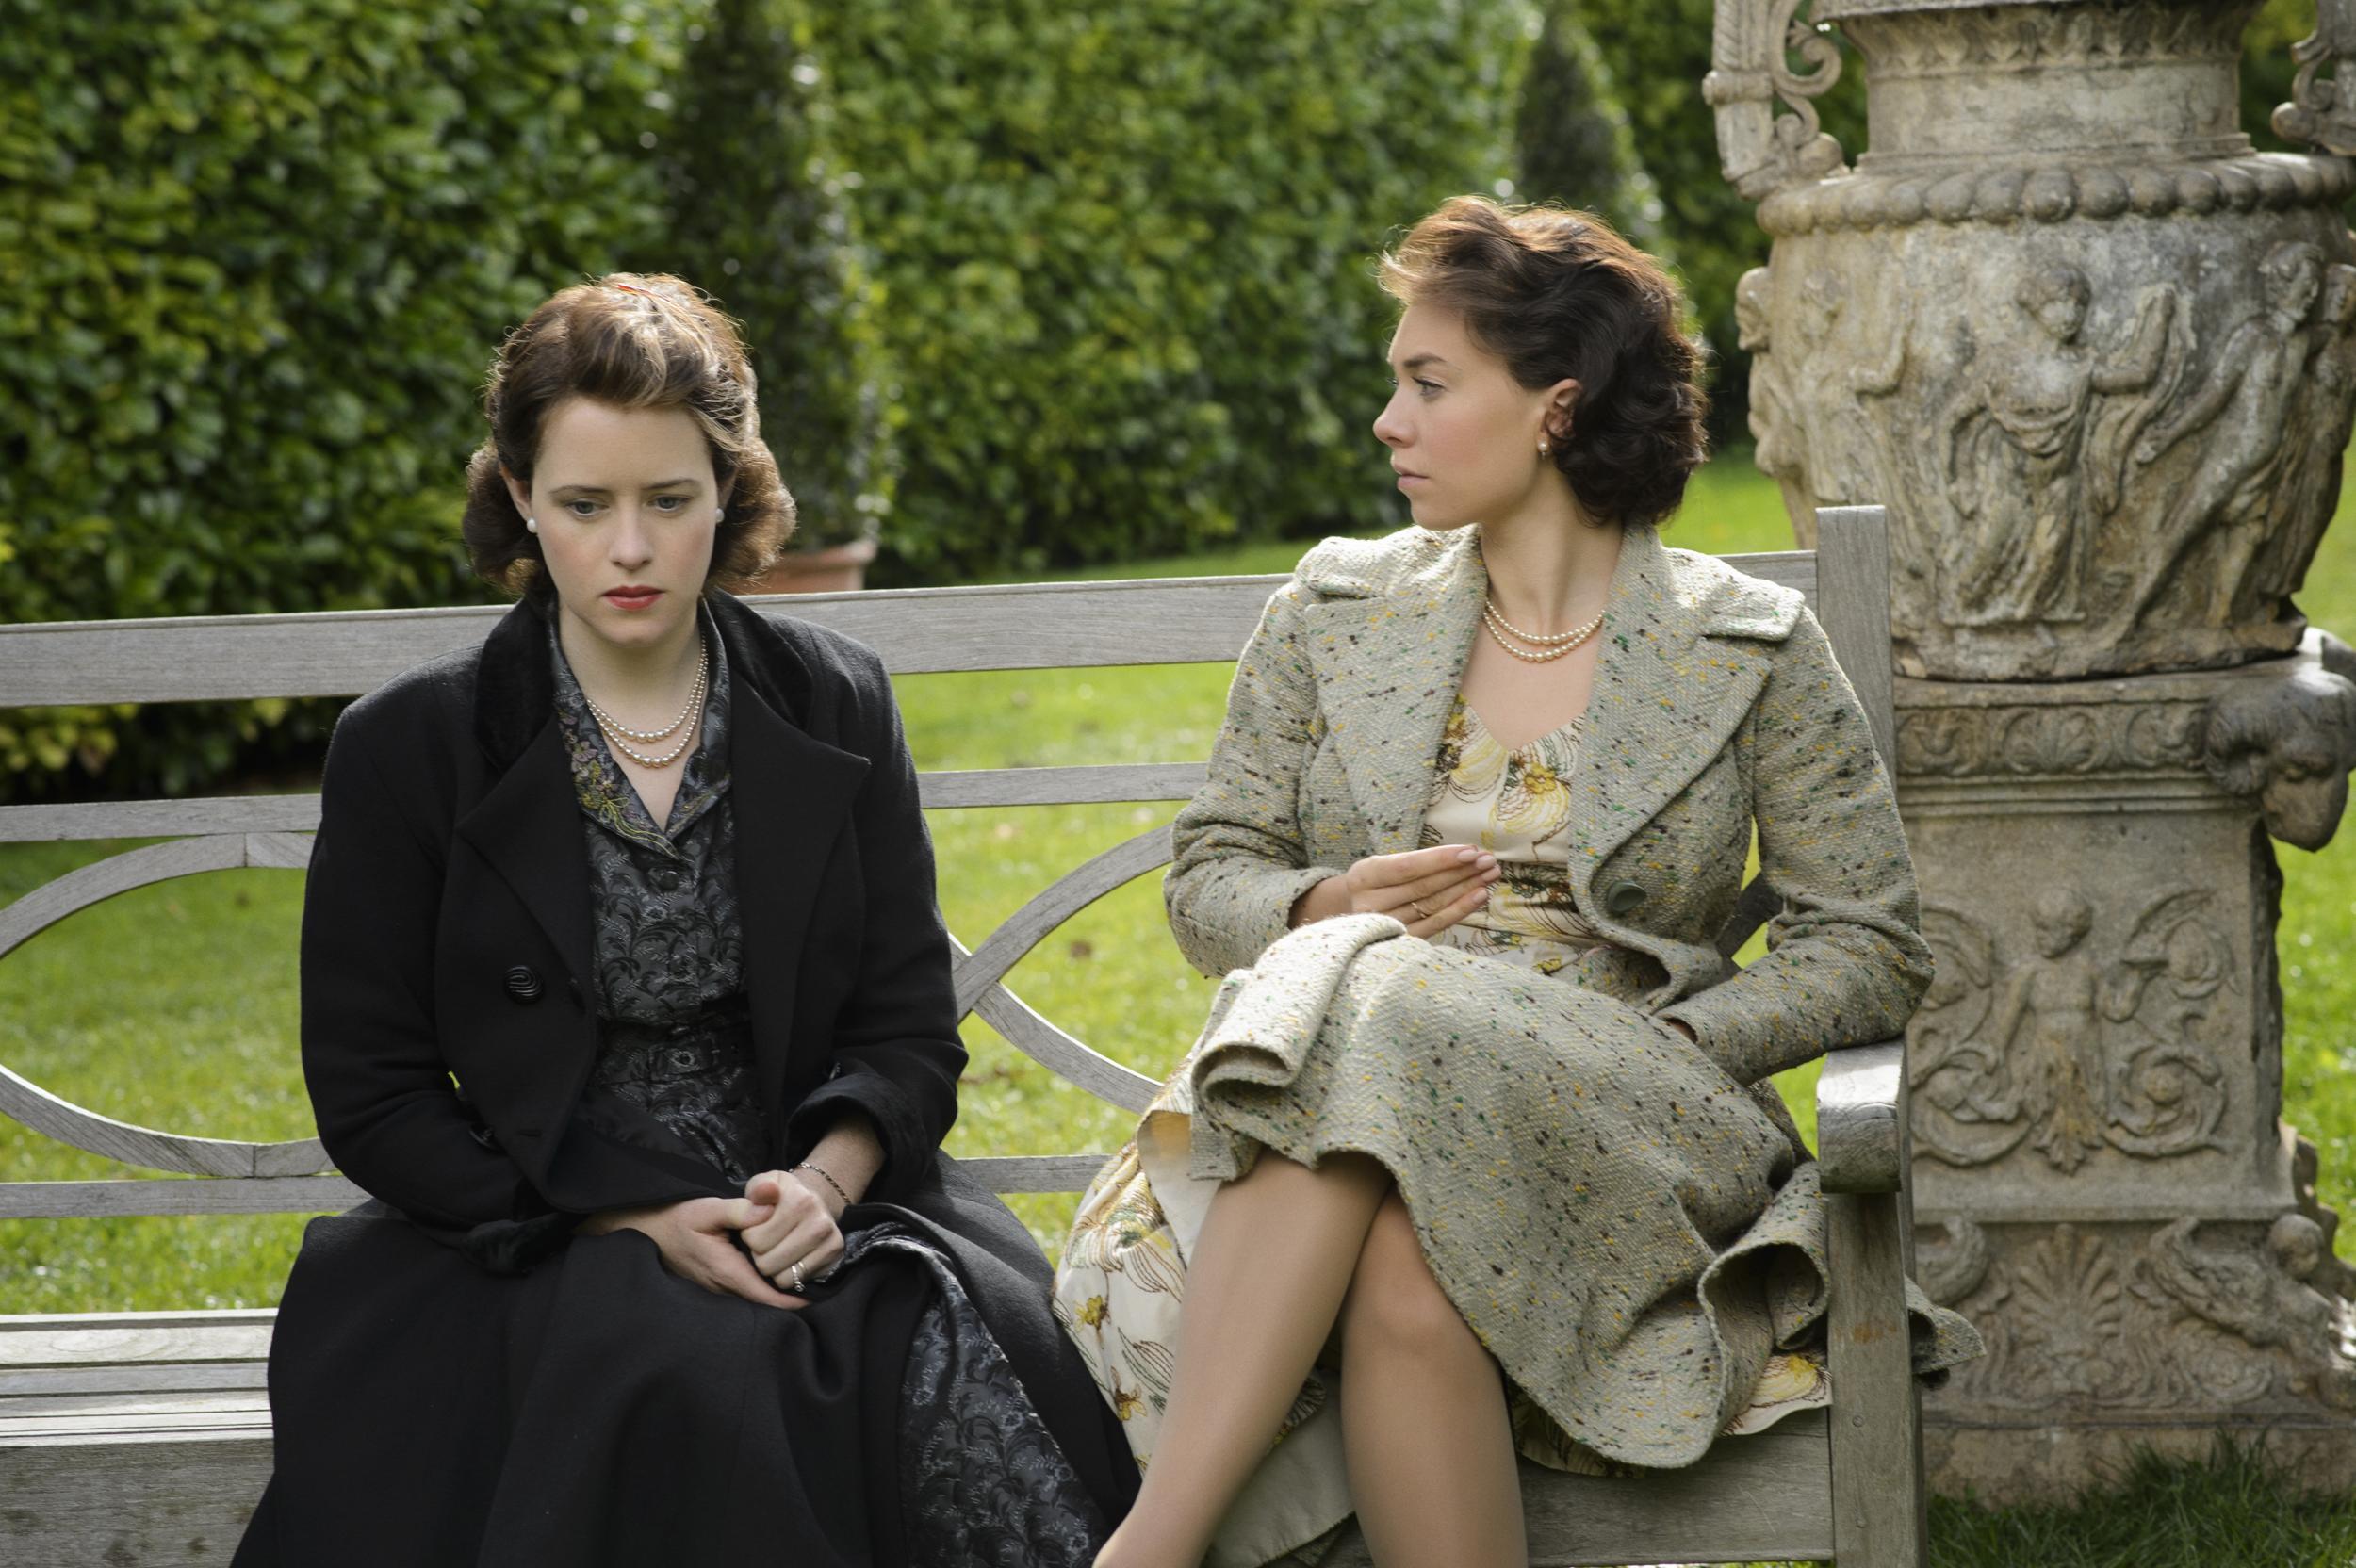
(763, 222)
(257, 257)
(1129, 304)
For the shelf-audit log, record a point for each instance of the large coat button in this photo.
(523, 984)
(1619, 898)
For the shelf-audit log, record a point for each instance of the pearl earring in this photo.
(719, 513)
(532, 525)
(1542, 448)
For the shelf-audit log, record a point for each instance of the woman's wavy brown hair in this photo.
(1556, 294)
(632, 340)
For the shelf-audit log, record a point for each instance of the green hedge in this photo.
(257, 255)
(764, 222)
(1125, 249)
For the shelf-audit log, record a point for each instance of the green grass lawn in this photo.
(174, 1006)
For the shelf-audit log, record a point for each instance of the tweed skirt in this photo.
(1639, 1240)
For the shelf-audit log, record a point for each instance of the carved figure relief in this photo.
(2034, 449)
(1775, 418)
(2249, 407)
(2312, 490)
(2260, 1298)
(2063, 1050)
(2075, 1313)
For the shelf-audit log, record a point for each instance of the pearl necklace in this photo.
(1556, 646)
(620, 735)
(669, 757)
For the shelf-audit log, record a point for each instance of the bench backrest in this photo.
(926, 631)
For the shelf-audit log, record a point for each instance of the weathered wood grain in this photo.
(179, 1501)
(1061, 786)
(988, 964)
(45, 1113)
(1035, 1173)
(159, 819)
(1853, 605)
(1861, 1110)
(1765, 1496)
(159, 1196)
(90, 1338)
(1877, 1491)
(1061, 1054)
(918, 630)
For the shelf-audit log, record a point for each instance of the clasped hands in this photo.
(781, 1235)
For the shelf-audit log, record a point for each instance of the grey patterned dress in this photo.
(674, 1030)
(982, 1482)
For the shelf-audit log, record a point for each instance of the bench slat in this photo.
(1027, 626)
(288, 814)
(1751, 1498)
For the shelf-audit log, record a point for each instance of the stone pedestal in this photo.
(2102, 1180)
(2097, 357)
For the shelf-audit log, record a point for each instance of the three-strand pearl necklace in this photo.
(619, 735)
(1552, 648)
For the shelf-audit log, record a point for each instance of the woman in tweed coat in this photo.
(1479, 1127)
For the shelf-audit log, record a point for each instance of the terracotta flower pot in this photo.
(834, 569)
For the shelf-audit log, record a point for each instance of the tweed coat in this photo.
(1716, 704)
(1629, 1222)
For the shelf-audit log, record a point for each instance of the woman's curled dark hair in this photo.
(633, 340)
(1558, 294)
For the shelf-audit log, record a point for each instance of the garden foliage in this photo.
(1129, 304)
(763, 221)
(257, 255)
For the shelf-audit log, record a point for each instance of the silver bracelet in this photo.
(828, 1180)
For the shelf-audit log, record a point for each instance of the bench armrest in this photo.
(1860, 1117)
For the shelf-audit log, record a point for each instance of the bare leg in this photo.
(1423, 1419)
(1263, 1289)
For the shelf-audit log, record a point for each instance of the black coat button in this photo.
(523, 984)
(1619, 898)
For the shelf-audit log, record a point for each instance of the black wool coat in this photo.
(449, 1028)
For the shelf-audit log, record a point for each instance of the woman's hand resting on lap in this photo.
(1425, 890)
(797, 1227)
(697, 1237)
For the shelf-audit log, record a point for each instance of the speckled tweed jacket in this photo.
(1716, 701)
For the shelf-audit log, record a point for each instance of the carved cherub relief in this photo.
(2065, 1051)
(2261, 1298)
(2249, 407)
(2038, 432)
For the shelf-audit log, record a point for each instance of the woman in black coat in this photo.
(641, 1036)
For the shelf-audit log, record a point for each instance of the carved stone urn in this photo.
(2097, 357)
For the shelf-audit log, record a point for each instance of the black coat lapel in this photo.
(793, 794)
(525, 824)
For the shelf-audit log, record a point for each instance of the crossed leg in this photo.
(1284, 1255)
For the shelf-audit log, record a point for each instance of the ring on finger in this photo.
(795, 1272)
(1416, 904)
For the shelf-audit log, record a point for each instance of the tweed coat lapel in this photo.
(1668, 697)
(1387, 665)
(1668, 693)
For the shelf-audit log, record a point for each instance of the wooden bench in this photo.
(143, 1438)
